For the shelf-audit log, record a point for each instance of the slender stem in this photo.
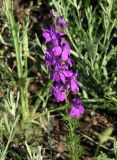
(25, 89)
(36, 116)
(21, 84)
(15, 37)
(12, 132)
(102, 100)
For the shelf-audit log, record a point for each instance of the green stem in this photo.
(15, 36)
(37, 115)
(21, 84)
(12, 133)
(102, 100)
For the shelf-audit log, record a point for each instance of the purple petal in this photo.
(57, 50)
(56, 77)
(76, 74)
(55, 39)
(76, 102)
(72, 112)
(63, 41)
(64, 56)
(77, 113)
(55, 42)
(61, 33)
(81, 109)
(47, 36)
(61, 96)
(61, 22)
(67, 73)
(66, 52)
(73, 86)
(62, 77)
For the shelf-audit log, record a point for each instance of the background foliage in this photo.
(25, 99)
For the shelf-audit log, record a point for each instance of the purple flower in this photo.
(57, 50)
(73, 84)
(47, 35)
(61, 33)
(51, 35)
(59, 93)
(49, 57)
(60, 73)
(61, 22)
(65, 49)
(76, 109)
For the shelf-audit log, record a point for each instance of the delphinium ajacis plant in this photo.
(60, 66)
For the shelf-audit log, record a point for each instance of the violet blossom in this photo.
(59, 63)
(61, 23)
(58, 92)
(76, 109)
(61, 73)
(51, 35)
(73, 84)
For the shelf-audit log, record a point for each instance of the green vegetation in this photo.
(26, 104)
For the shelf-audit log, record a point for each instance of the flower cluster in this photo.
(59, 62)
